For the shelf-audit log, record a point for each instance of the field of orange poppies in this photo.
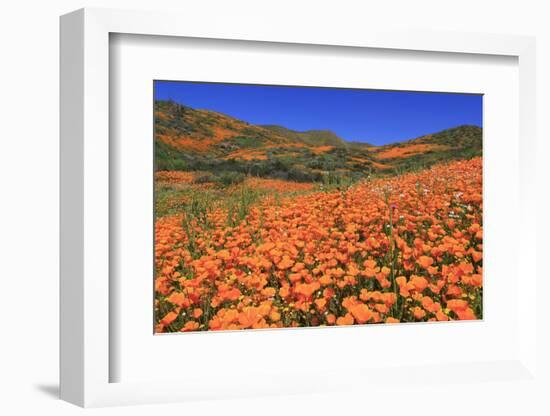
(268, 253)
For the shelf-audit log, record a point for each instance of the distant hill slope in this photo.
(309, 137)
(461, 136)
(190, 139)
(187, 129)
(462, 142)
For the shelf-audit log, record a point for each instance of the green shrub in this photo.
(207, 178)
(230, 178)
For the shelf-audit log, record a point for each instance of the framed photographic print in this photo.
(322, 212)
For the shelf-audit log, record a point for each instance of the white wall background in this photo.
(29, 180)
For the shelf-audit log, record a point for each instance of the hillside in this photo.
(202, 140)
(309, 137)
(201, 131)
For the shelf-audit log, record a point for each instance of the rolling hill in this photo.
(202, 140)
(308, 137)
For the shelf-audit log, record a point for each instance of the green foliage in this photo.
(340, 181)
(169, 201)
(207, 178)
(310, 137)
(230, 178)
(168, 158)
(238, 205)
(250, 141)
(196, 212)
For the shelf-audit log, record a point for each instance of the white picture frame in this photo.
(86, 356)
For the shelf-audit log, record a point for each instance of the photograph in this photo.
(279, 206)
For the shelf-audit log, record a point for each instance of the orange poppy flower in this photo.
(249, 317)
(477, 256)
(420, 283)
(361, 313)
(275, 316)
(321, 303)
(418, 312)
(427, 302)
(190, 326)
(232, 294)
(440, 316)
(345, 320)
(466, 314)
(307, 289)
(178, 299)
(380, 307)
(425, 261)
(325, 280)
(269, 292)
(285, 263)
(169, 318)
(284, 291)
(457, 304)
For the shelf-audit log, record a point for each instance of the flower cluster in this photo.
(278, 185)
(407, 248)
(174, 177)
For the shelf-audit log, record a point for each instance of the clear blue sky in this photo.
(373, 116)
